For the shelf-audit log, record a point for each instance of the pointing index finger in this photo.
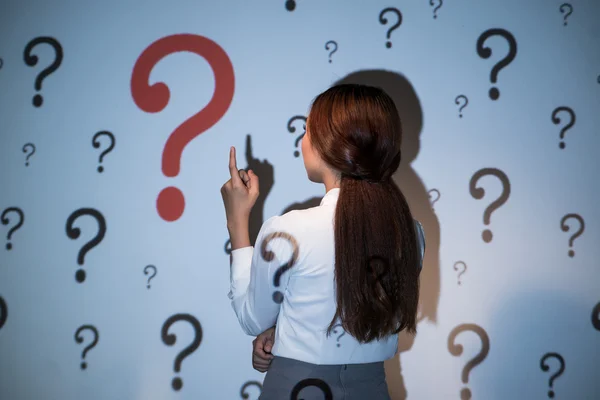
(235, 176)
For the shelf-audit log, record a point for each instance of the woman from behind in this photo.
(354, 284)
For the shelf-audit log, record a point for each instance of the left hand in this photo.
(239, 193)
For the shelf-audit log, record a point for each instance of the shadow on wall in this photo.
(411, 185)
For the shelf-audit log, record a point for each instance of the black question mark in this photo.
(5, 221)
(246, 385)
(478, 193)
(486, 52)
(25, 147)
(74, 233)
(32, 61)
(290, 5)
(562, 10)
(269, 256)
(96, 145)
(463, 271)
(384, 21)
(169, 339)
(461, 96)
(79, 339)
(312, 382)
(292, 129)
(437, 8)
(339, 337)
(556, 121)
(334, 50)
(146, 273)
(3, 312)
(565, 228)
(437, 198)
(595, 317)
(546, 368)
(457, 349)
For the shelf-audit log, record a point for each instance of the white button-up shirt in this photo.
(293, 286)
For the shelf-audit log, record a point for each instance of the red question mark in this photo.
(170, 202)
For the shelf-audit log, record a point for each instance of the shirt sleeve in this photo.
(257, 275)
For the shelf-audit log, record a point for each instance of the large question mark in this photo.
(25, 147)
(79, 339)
(170, 203)
(437, 8)
(290, 5)
(246, 385)
(96, 145)
(546, 368)
(562, 10)
(437, 198)
(5, 221)
(334, 50)
(565, 228)
(33, 60)
(339, 337)
(486, 52)
(312, 382)
(556, 121)
(74, 233)
(268, 256)
(595, 317)
(3, 312)
(384, 21)
(478, 193)
(146, 273)
(292, 129)
(463, 271)
(461, 96)
(457, 350)
(169, 339)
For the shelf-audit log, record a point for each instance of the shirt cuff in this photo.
(241, 264)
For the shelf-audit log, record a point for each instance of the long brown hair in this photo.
(356, 130)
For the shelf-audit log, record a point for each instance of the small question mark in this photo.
(96, 145)
(478, 193)
(334, 50)
(292, 129)
(463, 271)
(25, 147)
(74, 233)
(437, 198)
(457, 350)
(3, 312)
(33, 60)
(562, 10)
(312, 382)
(170, 202)
(5, 221)
(146, 273)
(595, 317)
(269, 256)
(486, 52)
(79, 339)
(546, 368)
(384, 21)
(169, 339)
(556, 121)
(246, 385)
(437, 8)
(565, 228)
(339, 337)
(461, 96)
(290, 5)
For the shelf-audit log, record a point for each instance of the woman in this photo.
(339, 280)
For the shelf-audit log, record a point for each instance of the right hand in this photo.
(261, 353)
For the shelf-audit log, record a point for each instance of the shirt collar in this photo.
(330, 197)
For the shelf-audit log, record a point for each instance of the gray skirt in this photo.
(292, 379)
